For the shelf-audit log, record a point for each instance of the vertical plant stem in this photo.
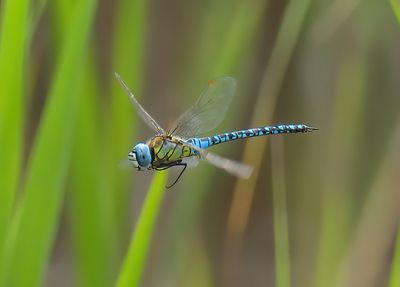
(394, 276)
(337, 212)
(14, 42)
(135, 261)
(88, 205)
(240, 32)
(281, 228)
(128, 60)
(371, 243)
(396, 8)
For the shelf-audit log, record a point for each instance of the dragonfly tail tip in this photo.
(310, 129)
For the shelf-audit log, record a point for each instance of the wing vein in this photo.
(142, 112)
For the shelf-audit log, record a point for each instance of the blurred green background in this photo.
(320, 209)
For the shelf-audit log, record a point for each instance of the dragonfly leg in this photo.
(180, 174)
(166, 166)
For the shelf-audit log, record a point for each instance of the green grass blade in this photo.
(199, 273)
(48, 164)
(281, 227)
(88, 201)
(395, 271)
(372, 237)
(239, 35)
(349, 109)
(135, 260)
(128, 57)
(396, 8)
(14, 42)
(128, 60)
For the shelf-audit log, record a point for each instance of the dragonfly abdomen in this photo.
(256, 132)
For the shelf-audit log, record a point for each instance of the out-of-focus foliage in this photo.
(321, 209)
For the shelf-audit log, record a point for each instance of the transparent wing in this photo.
(209, 110)
(142, 112)
(233, 167)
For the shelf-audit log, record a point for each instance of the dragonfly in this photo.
(185, 143)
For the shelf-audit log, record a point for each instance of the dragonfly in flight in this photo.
(184, 144)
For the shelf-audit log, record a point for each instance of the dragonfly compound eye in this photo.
(143, 155)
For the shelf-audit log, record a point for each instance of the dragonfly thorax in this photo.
(140, 156)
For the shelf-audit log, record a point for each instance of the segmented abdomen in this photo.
(256, 132)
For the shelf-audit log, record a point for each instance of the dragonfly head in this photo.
(140, 156)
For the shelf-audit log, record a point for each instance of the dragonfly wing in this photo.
(209, 110)
(233, 167)
(142, 112)
(191, 161)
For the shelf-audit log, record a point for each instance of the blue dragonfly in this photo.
(184, 144)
